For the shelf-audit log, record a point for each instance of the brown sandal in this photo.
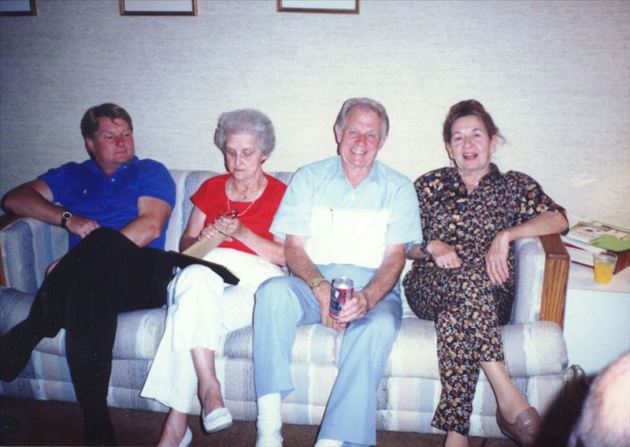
(524, 430)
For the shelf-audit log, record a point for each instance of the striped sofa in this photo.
(408, 393)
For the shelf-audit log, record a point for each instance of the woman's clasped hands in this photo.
(227, 226)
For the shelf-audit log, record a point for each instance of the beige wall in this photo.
(555, 75)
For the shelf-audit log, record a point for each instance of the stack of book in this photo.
(586, 238)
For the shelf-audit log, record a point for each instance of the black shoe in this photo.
(97, 425)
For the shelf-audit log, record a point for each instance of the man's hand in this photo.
(444, 255)
(81, 226)
(355, 308)
(322, 293)
(496, 258)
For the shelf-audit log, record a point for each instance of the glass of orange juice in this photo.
(604, 266)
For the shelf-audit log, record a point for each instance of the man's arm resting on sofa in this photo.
(35, 199)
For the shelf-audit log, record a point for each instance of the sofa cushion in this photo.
(530, 349)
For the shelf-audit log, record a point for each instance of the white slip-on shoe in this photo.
(273, 439)
(187, 439)
(218, 419)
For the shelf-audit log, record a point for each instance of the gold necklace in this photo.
(235, 213)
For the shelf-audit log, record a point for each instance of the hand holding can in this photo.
(341, 291)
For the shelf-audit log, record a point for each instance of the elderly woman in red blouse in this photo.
(463, 272)
(238, 206)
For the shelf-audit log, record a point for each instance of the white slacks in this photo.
(202, 309)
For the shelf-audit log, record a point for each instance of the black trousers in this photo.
(105, 274)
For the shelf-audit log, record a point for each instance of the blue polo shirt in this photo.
(112, 201)
(343, 224)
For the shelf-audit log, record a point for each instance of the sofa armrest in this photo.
(542, 266)
(5, 220)
(555, 280)
(27, 247)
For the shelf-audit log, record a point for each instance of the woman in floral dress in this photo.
(463, 272)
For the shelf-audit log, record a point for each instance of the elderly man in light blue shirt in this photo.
(352, 216)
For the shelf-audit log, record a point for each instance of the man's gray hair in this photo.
(366, 103)
(604, 418)
(249, 121)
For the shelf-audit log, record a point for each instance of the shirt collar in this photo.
(374, 175)
(492, 174)
(95, 167)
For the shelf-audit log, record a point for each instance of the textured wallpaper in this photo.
(555, 76)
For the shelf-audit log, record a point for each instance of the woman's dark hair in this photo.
(467, 108)
(89, 122)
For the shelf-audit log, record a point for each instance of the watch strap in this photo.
(316, 281)
(65, 217)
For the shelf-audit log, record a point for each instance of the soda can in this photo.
(341, 291)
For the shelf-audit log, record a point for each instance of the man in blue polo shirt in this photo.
(348, 215)
(112, 205)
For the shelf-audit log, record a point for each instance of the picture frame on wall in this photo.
(158, 7)
(326, 6)
(18, 8)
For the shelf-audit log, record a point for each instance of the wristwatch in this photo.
(423, 249)
(65, 217)
(316, 281)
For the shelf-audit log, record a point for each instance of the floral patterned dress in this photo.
(466, 307)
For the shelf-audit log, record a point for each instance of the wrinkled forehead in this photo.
(364, 117)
